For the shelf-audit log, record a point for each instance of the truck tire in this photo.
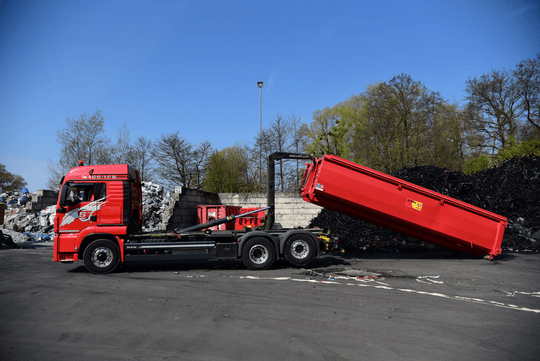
(101, 256)
(299, 250)
(258, 254)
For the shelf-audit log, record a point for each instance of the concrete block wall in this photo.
(182, 210)
(291, 210)
(43, 199)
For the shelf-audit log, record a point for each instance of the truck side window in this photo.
(100, 191)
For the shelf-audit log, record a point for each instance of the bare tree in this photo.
(201, 154)
(262, 148)
(495, 107)
(178, 163)
(527, 75)
(279, 136)
(141, 157)
(121, 151)
(83, 138)
(299, 143)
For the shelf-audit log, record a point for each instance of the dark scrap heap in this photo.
(511, 190)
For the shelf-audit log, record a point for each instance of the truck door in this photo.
(112, 209)
(82, 203)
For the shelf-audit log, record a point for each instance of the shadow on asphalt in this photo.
(324, 261)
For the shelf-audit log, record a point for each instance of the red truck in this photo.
(99, 220)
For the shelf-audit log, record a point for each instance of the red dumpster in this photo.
(378, 198)
(209, 213)
(252, 220)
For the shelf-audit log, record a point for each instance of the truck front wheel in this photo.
(258, 254)
(299, 250)
(101, 256)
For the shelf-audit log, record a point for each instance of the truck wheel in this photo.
(258, 254)
(101, 256)
(299, 250)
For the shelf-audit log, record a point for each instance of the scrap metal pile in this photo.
(511, 190)
(155, 201)
(24, 226)
(28, 226)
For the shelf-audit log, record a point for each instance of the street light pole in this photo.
(260, 85)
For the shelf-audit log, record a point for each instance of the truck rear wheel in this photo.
(101, 256)
(258, 254)
(299, 250)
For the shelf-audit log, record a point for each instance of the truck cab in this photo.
(94, 201)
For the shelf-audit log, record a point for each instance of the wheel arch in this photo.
(95, 236)
(294, 232)
(255, 234)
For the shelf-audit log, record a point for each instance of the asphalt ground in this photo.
(434, 305)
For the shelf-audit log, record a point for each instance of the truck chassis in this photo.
(256, 249)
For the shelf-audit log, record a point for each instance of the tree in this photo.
(10, 182)
(380, 140)
(178, 163)
(391, 126)
(527, 75)
(262, 148)
(327, 134)
(447, 140)
(514, 149)
(279, 142)
(121, 152)
(201, 155)
(83, 138)
(299, 142)
(495, 108)
(503, 110)
(141, 158)
(228, 171)
(284, 134)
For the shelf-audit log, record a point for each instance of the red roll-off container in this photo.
(378, 198)
(253, 220)
(207, 213)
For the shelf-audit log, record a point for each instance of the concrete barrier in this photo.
(291, 210)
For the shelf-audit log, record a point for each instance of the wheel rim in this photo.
(299, 249)
(258, 254)
(102, 257)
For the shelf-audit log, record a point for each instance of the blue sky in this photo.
(193, 66)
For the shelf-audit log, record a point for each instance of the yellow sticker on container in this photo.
(414, 204)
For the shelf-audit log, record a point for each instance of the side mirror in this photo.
(61, 210)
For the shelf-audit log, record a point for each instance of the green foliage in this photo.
(476, 164)
(9, 181)
(228, 172)
(333, 129)
(326, 133)
(527, 148)
(392, 125)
